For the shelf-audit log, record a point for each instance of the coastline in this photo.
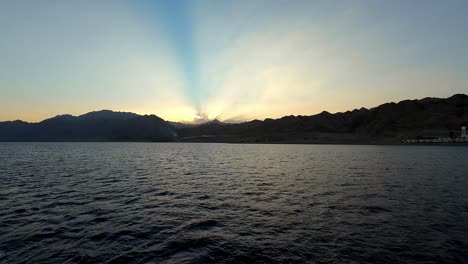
(249, 143)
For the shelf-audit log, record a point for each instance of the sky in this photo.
(185, 60)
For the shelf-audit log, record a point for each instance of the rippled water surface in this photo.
(227, 203)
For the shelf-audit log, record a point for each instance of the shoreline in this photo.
(248, 143)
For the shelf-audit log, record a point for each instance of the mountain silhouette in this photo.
(387, 123)
(102, 125)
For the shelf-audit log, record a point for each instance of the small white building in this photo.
(463, 131)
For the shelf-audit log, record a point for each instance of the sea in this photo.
(232, 203)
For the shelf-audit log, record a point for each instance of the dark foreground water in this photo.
(223, 203)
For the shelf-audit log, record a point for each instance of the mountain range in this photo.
(387, 123)
(102, 125)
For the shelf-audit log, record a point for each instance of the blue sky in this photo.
(232, 60)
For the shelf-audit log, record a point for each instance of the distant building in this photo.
(462, 138)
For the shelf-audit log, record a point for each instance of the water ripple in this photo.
(226, 203)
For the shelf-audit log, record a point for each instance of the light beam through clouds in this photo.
(178, 22)
(232, 60)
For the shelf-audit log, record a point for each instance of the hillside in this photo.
(387, 123)
(95, 126)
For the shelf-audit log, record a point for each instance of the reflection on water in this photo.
(226, 203)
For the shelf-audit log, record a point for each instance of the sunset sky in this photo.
(231, 60)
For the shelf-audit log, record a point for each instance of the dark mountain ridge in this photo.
(387, 123)
(102, 125)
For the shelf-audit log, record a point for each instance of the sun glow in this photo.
(193, 61)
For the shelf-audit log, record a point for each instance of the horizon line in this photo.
(229, 121)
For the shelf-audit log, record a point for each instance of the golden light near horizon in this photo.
(193, 60)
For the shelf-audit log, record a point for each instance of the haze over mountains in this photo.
(387, 123)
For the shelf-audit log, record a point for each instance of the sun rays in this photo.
(229, 60)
